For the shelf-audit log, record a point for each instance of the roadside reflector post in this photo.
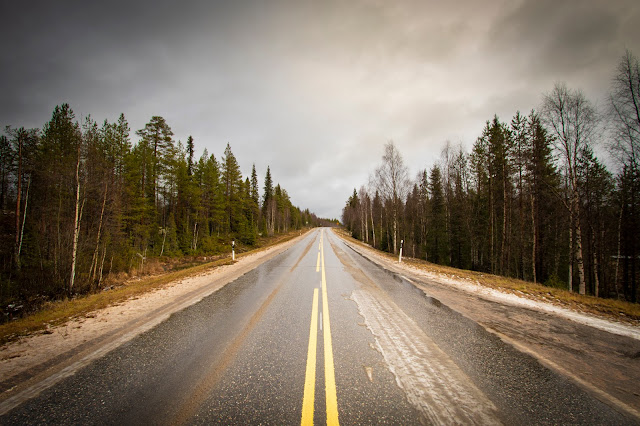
(400, 256)
(233, 250)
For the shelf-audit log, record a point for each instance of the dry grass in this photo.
(59, 312)
(609, 308)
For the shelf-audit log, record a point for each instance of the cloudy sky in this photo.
(313, 89)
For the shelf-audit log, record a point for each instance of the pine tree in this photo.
(232, 183)
(519, 134)
(190, 156)
(350, 216)
(268, 204)
(438, 247)
(542, 181)
(157, 143)
(597, 186)
(249, 231)
(6, 166)
(20, 149)
(208, 178)
(460, 220)
(56, 184)
(255, 199)
(423, 212)
(482, 202)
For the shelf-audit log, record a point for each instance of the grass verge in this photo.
(59, 312)
(617, 310)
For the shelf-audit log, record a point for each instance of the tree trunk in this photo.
(580, 261)
(24, 217)
(164, 237)
(534, 237)
(373, 228)
(503, 245)
(76, 227)
(104, 254)
(94, 260)
(395, 233)
(381, 229)
(366, 222)
(579, 258)
(58, 246)
(491, 229)
(521, 224)
(362, 222)
(596, 282)
(571, 253)
(632, 217)
(18, 194)
(194, 245)
(615, 280)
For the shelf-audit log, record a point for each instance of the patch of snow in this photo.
(494, 295)
(515, 300)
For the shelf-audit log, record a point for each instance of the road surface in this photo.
(317, 334)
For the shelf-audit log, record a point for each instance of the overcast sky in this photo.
(313, 89)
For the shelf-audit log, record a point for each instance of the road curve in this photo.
(317, 334)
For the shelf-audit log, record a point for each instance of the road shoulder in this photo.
(33, 359)
(598, 355)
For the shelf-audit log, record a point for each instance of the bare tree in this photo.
(364, 213)
(624, 111)
(392, 180)
(574, 122)
(371, 189)
(76, 223)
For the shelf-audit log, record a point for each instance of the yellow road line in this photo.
(318, 263)
(310, 377)
(329, 373)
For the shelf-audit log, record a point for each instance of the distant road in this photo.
(317, 334)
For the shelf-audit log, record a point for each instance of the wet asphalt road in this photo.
(240, 357)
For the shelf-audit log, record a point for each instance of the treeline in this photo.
(531, 200)
(81, 201)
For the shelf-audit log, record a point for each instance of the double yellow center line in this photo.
(329, 374)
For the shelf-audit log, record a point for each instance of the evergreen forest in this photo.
(531, 199)
(81, 202)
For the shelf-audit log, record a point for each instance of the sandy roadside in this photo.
(26, 358)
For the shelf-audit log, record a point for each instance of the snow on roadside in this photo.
(515, 300)
(494, 295)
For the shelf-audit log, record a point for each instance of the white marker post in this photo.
(400, 256)
(233, 250)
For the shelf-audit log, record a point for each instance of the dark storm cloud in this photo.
(562, 38)
(71, 50)
(312, 89)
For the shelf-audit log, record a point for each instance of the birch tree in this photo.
(574, 122)
(624, 111)
(392, 180)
